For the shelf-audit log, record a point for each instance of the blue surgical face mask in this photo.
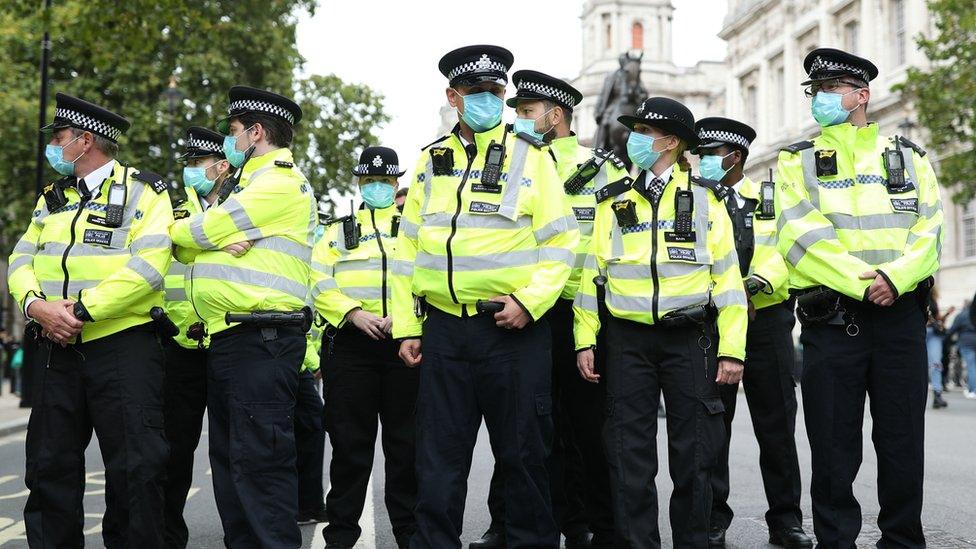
(828, 108)
(234, 156)
(482, 111)
(711, 167)
(196, 178)
(377, 194)
(640, 149)
(55, 157)
(527, 125)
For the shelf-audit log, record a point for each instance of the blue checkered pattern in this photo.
(363, 239)
(638, 228)
(476, 174)
(846, 183)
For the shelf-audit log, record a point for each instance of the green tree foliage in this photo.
(122, 55)
(945, 94)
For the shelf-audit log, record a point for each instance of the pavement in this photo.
(949, 515)
(13, 418)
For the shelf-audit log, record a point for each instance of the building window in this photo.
(637, 36)
(779, 91)
(751, 100)
(607, 32)
(851, 36)
(968, 227)
(898, 33)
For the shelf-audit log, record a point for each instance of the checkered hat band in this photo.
(820, 64)
(548, 91)
(391, 169)
(727, 137)
(480, 65)
(86, 122)
(654, 116)
(204, 145)
(261, 106)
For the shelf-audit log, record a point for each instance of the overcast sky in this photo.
(393, 46)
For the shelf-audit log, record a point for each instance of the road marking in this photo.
(366, 521)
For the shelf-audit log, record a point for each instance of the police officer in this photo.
(768, 375)
(578, 465)
(266, 226)
(88, 270)
(364, 378)
(485, 221)
(860, 226)
(663, 250)
(186, 356)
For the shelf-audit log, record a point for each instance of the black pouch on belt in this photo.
(696, 315)
(818, 305)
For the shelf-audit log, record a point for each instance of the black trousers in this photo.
(642, 362)
(365, 381)
(113, 385)
(472, 369)
(578, 474)
(185, 402)
(252, 383)
(887, 362)
(771, 395)
(309, 444)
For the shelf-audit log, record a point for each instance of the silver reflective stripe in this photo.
(701, 223)
(665, 303)
(725, 263)
(580, 261)
(590, 262)
(924, 210)
(25, 246)
(729, 297)
(624, 303)
(476, 221)
(487, 262)
(79, 249)
(401, 267)
(176, 294)
(176, 269)
(362, 292)
(766, 240)
(323, 286)
(555, 228)
(877, 257)
(561, 255)
(150, 242)
(258, 172)
(807, 239)
(237, 214)
(586, 302)
(428, 183)
(199, 236)
(142, 267)
(670, 303)
(410, 230)
(799, 211)
(585, 228)
(870, 221)
(18, 263)
(933, 232)
(54, 287)
(643, 272)
(286, 246)
(321, 267)
(358, 265)
(810, 179)
(616, 238)
(252, 277)
(601, 178)
(510, 193)
(910, 167)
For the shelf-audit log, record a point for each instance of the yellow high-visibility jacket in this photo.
(569, 156)
(117, 273)
(767, 264)
(178, 306)
(832, 228)
(460, 241)
(344, 279)
(275, 209)
(313, 348)
(651, 273)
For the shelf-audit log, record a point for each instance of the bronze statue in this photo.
(622, 92)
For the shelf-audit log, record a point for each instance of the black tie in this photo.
(82, 188)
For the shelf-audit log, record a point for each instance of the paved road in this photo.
(949, 516)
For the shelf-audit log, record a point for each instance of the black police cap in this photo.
(716, 131)
(472, 64)
(536, 85)
(200, 142)
(378, 161)
(829, 63)
(72, 112)
(667, 114)
(245, 99)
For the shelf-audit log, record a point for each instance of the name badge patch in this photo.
(584, 214)
(905, 204)
(482, 188)
(681, 254)
(95, 236)
(679, 237)
(97, 220)
(483, 208)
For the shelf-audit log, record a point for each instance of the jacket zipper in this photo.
(379, 242)
(67, 249)
(654, 281)
(450, 238)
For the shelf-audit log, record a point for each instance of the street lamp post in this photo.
(906, 126)
(173, 96)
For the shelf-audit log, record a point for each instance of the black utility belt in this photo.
(696, 315)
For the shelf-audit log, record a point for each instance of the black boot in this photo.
(716, 537)
(938, 401)
(491, 540)
(791, 538)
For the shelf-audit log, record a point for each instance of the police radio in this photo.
(767, 204)
(684, 204)
(116, 204)
(894, 163)
(492, 171)
(350, 229)
(583, 175)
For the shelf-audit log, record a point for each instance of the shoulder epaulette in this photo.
(716, 187)
(616, 188)
(797, 147)
(434, 142)
(154, 180)
(905, 142)
(610, 157)
(537, 143)
(283, 164)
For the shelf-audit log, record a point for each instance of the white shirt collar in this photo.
(98, 176)
(663, 176)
